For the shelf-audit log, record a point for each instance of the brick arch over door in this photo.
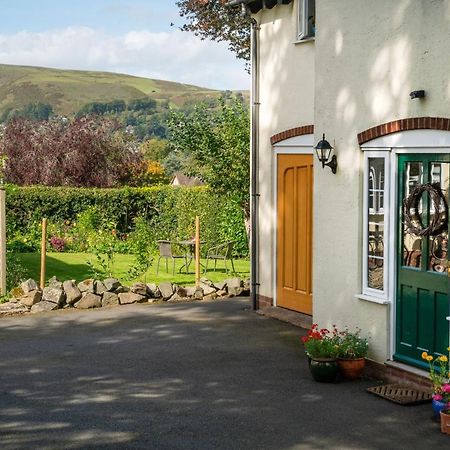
(413, 123)
(292, 132)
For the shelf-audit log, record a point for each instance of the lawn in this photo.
(66, 266)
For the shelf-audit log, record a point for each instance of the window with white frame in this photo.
(306, 19)
(375, 224)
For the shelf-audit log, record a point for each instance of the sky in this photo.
(126, 36)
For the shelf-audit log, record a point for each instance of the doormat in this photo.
(403, 395)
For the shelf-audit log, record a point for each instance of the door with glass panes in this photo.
(422, 301)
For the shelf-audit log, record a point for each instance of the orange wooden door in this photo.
(294, 232)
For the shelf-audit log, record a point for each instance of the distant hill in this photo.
(69, 90)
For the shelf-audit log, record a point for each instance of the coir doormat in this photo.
(403, 395)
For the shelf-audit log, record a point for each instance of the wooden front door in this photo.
(422, 304)
(294, 232)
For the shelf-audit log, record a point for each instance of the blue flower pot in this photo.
(438, 406)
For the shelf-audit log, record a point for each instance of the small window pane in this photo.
(412, 244)
(375, 231)
(438, 245)
(306, 19)
(311, 21)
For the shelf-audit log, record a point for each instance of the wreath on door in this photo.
(411, 213)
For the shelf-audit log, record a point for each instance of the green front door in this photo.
(423, 303)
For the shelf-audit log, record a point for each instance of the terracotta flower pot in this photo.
(445, 421)
(351, 369)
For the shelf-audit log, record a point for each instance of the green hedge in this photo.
(170, 211)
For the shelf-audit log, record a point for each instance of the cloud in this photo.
(174, 56)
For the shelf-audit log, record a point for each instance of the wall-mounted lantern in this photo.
(323, 150)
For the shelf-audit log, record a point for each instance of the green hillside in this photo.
(68, 90)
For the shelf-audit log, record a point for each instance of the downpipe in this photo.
(254, 166)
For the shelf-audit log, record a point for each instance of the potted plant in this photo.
(445, 420)
(352, 351)
(320, 346)
(439, 371)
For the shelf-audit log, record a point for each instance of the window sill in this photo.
(372, 299)
(301, 41)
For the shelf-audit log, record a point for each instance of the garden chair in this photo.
(223, 252)
(165, 251)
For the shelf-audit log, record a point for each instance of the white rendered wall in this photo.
(287, 98)
(369, 56)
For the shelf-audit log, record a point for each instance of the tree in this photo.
(211, 19)
(88, 151)
(32, 111)
(215, 145)
(155, 149)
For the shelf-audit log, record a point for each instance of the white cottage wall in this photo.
(287, 101)
(369, 57)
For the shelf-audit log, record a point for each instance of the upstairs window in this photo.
(306, 19)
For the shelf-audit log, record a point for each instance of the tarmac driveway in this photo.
(183, 376)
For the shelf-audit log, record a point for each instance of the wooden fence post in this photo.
(43, 252)
(2, 241)
(197, 251)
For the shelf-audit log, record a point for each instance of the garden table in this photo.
(189, 248)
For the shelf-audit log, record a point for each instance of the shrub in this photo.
(57, 243)
(78, 214)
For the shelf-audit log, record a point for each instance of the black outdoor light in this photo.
(323, 150)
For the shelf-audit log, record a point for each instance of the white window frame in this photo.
(371, 293)
(302, 16)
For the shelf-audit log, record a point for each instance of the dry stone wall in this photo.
(90, 293)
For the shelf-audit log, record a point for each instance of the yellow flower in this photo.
(448, 348)
(424, 355)
(443, 358)
(429, 358)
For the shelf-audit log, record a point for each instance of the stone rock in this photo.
(206, 282)
(44, 306)
(198, 294)
(154, 300)
(176, 298)
(234, 286)
(207, 289)
(139, 288)
(31, 298)
(221, 293)
(111, 284)
(122, 290)
(220, 285)
(89, 300)
(190, 291)
(87, 285)
(153, 290)
(53, 295)
(73, 294)
(110, 299)
(17, 292)
(125, 298)
(99, 288)
(54, 283)
(166, 290)
(29, 285)
(212, 296)
(246, 287)
(181, 291)
(10, 308)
